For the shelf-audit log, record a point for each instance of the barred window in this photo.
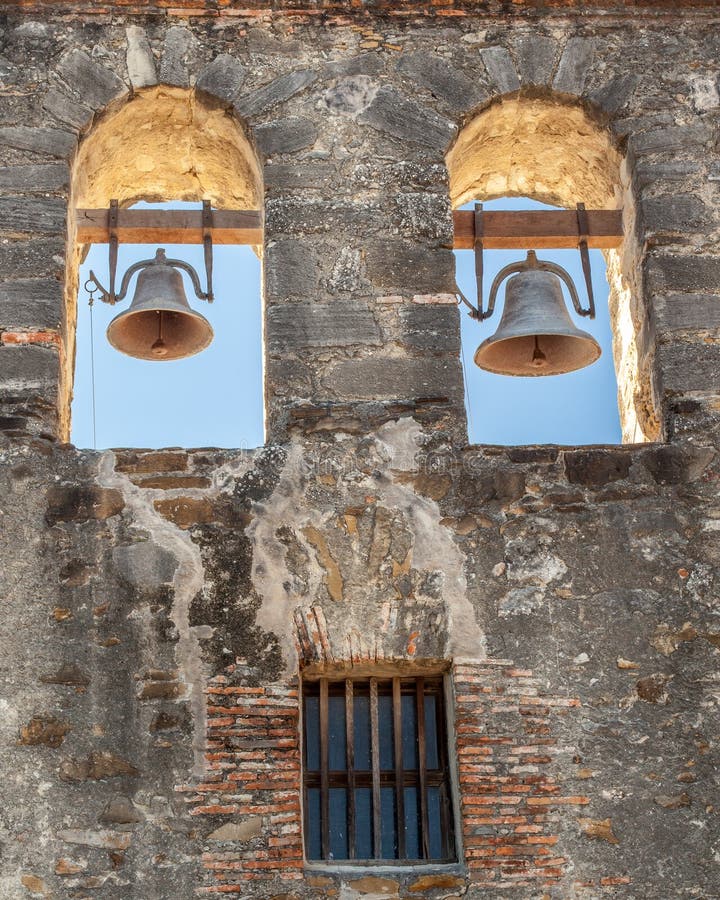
(375, 771)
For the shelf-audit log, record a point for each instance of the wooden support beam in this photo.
(538, 229)
(502, 230)
(170, 226)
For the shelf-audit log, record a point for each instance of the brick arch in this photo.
(559, 150)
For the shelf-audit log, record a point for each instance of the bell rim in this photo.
(581, 336)
(131, 313)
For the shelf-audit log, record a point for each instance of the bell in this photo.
(160, 325)
(536, 335)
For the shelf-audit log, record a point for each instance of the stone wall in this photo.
(160, 606)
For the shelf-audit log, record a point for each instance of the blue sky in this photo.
(214, 399)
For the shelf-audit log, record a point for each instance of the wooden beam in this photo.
(503, 230)
(538, 229)
(170, 226)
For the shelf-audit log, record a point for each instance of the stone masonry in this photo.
(159, 607)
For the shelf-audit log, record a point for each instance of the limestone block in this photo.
(139, 58)
(380, 378)
(614, 95)
(395, 114)
(222, 78)
(29, 178)
(431, 327)
(535, 55)
(32, 216)
(66, 110)
(689, 367)
(277, 91)
(337, 324)
(501, 69)
(676, 213)
(31, 303)
(27, 369)
(285, 135)
(48, 141)
(36, 257)
(451, 86)
(678, 313)
(400, 267)
(671, 139)
(177, 50)
(93, 83)
(291, 270)
(683, 273)
(574, 65)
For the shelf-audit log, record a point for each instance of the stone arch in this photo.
(560, 152)
(161, 143)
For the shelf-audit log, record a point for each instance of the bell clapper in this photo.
(158, 348)
(539, 360)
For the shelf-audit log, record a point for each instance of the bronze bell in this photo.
(160, 325)
(536, 335)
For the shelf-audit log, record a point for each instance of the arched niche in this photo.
(557, 153)
(163, 143)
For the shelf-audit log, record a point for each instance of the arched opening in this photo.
(167, 145)
(555, 153)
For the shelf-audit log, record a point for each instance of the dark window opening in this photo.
(375, 771)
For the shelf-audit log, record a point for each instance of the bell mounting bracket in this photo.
(478, 312)
(111, 296)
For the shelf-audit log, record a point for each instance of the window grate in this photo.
(375, 771)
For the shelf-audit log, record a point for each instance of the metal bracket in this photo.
(207, 222)
(110, 296)
(583, 230)
(476, 311)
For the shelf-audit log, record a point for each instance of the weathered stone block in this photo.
(295, 326)
(79, 503)
(29, 179)
(451, 86)
(426, 214)
(28, 215)
(28, 369)
(614, 95)
(431, 327)
(399, 267)
(683, 273)
(535, 55)
(674, 464)
(291, 270)
(31, 303)
(285, 135)
(675, 213)
(222, 78)
(397, 115)
(277, 91)
(594, 467)
(244, 830)
(672, 139)
(185, 512)
(699, 313)
(49, 141)
(66, 110)
(574, 65)
(137, 462)
(383, 378)
(177, 50)
(139, 58)
(501, 69)
(93, 83)
(689, 367)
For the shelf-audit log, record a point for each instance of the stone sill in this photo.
(387, 868)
